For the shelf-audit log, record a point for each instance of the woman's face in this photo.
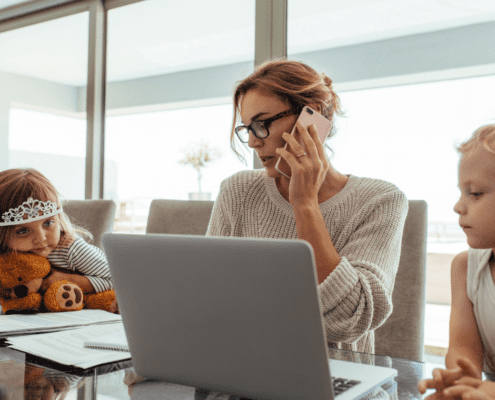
(256, 106)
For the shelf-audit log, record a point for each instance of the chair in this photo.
(183, 217)
(97, 216)
(402, 335)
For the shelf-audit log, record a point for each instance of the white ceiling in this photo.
(161, 36)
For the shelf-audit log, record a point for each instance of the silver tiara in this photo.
(32, 209)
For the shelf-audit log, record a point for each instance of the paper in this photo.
(116, 341)
(21, 324)
(67, 347)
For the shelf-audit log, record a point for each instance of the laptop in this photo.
(234, 315)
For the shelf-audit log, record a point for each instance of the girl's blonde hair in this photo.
(16, 186)
(483, 136)
(295, 83)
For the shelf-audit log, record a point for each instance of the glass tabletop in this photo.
(23, 376)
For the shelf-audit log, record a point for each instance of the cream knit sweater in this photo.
(365, 221)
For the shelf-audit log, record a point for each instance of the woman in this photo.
(353, 224)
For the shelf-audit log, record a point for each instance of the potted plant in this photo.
(198, 157)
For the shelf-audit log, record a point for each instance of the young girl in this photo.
(472, 322)
(32, 221)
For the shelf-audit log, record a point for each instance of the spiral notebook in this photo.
(114, 341)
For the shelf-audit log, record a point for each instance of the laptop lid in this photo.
(235, 315)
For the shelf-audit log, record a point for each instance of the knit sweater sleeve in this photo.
(357, 296)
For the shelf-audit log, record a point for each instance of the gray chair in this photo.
(181, 217)
(402, 335)
(96, 216)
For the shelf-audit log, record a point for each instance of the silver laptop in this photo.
(234, 315)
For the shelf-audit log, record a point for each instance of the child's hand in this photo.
(443, 378)
(54, 276)
(468, 388)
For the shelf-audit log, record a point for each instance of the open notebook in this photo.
(112, 341)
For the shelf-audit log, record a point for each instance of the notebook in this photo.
(235, 315)
(113, 341)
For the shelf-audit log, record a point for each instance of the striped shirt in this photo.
(82, 257)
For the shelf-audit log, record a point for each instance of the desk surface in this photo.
(23, 376)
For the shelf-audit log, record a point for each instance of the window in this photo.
(414, 79)
(42, 70)
(147, 149)
(171, 69)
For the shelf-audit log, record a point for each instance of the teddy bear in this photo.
(21, 276)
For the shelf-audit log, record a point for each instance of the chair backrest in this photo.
(183, 217)
(97, 216)
(402, 335)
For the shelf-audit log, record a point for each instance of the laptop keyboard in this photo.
(340, 385)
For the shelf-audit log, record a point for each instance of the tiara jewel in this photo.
(32, 209)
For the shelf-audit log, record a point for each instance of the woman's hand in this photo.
(446, 378)
(308, 170)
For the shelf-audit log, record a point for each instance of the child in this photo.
(472, 322)
(32, 221)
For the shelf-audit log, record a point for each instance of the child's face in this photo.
(37, 237)
(477, 202)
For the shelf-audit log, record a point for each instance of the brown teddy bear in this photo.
(21, 276)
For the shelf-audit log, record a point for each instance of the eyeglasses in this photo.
(260, 127)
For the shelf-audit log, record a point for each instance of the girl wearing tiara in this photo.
(472, 323)
(32, 221)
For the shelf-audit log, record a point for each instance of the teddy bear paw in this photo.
(64, 296)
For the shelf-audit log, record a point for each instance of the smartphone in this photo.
(307, 117)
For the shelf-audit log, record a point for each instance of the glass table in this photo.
(23, 376)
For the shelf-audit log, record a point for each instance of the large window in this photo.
(407, 135)
(413, 81)
(42, 121)
(171, 70)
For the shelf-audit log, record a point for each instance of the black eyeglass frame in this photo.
(266, 123)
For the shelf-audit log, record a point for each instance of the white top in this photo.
(365, 221)
(481, 292)
(86, 259)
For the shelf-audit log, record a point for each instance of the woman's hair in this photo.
(293, 82)
(18, 185)
(483, 136)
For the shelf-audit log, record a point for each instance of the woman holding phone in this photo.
(353, 224)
